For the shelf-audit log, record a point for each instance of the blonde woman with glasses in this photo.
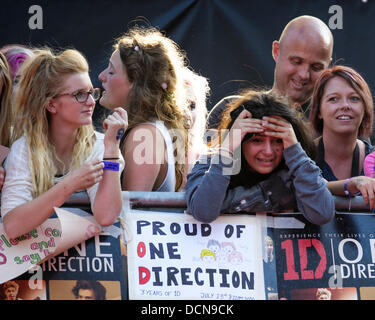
(57, 151)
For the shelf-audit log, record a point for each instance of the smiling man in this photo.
(303, 51)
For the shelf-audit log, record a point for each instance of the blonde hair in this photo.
(151, 62)
(206, 252)
(197, 92)
(42, 79)
(323, 291)
(6, 114)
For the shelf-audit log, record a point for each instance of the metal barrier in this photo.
(143, 199)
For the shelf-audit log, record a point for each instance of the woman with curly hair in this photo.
(142, 77)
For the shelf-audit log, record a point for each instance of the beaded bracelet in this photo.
(113, 166)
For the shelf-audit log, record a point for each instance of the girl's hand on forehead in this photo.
(278, 127)
(243, 124)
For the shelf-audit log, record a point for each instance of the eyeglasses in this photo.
(82, 96)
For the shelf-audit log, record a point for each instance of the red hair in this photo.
(355, 80)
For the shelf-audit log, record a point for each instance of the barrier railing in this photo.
(172, 256)
(143, 199)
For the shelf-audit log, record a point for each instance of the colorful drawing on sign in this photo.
(221, 253)
(21, 254)
(175, 257)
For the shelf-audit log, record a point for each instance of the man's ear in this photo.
(275, 50)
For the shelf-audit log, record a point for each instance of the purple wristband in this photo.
(113, 166)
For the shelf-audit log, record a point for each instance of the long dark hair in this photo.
(260, 104)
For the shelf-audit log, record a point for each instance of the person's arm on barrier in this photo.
(208, 182)
(18, 203)
(20, 211)
(314, 199)
(312, 195)
(108, 199)
(206, 188)
(352, 186)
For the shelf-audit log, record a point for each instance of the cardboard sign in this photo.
(172, 256)
(52, 237)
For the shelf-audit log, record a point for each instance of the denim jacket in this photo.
(301, 187)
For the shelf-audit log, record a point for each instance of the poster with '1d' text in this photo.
(335, 261)
(173, 256)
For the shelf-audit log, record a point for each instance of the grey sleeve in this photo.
(313, 197)
(206, 187)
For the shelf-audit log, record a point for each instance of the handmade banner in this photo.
(172, 256)
(88, 262)
(52, 237)
(335, 261)
(19, 255)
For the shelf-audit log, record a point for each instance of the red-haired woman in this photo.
(342, 115)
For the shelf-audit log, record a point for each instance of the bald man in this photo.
(303, 51)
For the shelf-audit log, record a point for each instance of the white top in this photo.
(18, 188)
(169, 181)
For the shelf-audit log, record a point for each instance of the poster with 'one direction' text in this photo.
(172, 256)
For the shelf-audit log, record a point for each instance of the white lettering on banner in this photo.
(78, 264)
(358, 271)
(99, 244)
(359, 248)
(372, 250)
